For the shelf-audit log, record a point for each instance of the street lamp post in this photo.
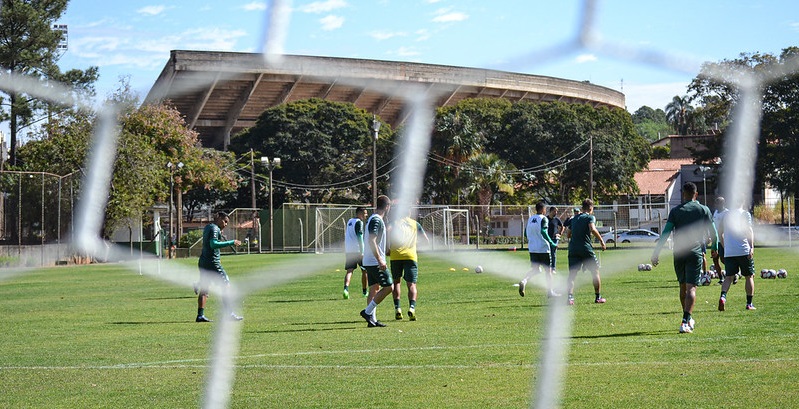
(271, 165)
(704, 169)
(172, 167)
(375, 132)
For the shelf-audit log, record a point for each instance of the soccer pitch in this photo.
(103, 336)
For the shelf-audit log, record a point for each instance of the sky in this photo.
(650, 51)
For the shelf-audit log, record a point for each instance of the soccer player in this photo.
(404, 234)
(581, 249)
(738, 239)
(211, 271)
(718, 216)
(691, 222)
(539, 245)
(556, 228)
(374, 261)
(353, 249)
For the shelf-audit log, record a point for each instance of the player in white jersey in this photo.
(718, 217)
(374, 260)
(353, 249)
(539, 244)
(739, 250)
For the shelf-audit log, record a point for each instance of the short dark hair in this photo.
(689, 188)
(221, 216)
(539, 206)
(553, 209)
(383, 202)
(588, 204)
(359, 210)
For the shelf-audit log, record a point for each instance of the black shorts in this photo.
(353, 260)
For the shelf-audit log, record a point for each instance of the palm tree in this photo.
(484, 175)
(678, 112)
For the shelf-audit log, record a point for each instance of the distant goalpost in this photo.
(447, 228)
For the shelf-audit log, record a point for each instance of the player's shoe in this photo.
(398, 315)
(364, 295)
(412, 314)
(202, 318)
(376, 323)
(369, 320)
(692, 324)
(600, 300)
(522, 284)
(722, 303)
(234, 317)
(571, 299)
(750, 307)
(735, 279)
(346, 295)
(685, 328)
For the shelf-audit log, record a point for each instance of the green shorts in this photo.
(375, 276)
(407, 270)
(743, 263)
(688, 268)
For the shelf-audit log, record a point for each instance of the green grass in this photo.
(101, 336)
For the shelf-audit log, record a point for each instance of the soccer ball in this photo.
(765, 273)
(642, 267)
(712, 273)
(478, 269)
(782, 273)
(648, 267)
(704, 279)
(773, 274)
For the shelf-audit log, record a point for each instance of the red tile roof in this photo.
(660, 173)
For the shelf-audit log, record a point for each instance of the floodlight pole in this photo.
(591, 167)
(171, 168)
(375, 132)
(704, 183)
(271, 165)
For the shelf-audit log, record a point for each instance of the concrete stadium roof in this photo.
(222, 93)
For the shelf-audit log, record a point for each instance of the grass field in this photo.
(102, 336)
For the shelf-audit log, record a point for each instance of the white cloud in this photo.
(331, 22)
(431, 1)
(583, 58)
(254, 6)
(385, 35)
(422, 34)
(323, 6)
(447, 16)
(405, 52)
(151, 10)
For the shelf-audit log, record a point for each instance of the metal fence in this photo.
(38, 209)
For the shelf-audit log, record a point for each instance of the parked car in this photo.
(631, 236)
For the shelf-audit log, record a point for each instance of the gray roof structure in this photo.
(222, 93)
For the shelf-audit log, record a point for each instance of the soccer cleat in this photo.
(522, 284)
(376, 324)
(571, 299)
(685, 328)
(346, 295)
(369, 320)
(692, 324)
(600, 300)
(202, 318)
(735, 279)
(722, 303)
(234, 317)
(412, 314)
(750, 307)
(364, 295)
(398, 315)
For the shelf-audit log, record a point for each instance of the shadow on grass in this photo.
(150, 322)
(626, 334)
(289, 331)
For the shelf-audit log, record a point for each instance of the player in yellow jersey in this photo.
(404, 234)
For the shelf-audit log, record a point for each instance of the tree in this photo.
(678, 112)
(325, 149)
(28, 46)
(651, 123)
(717, 87)
(484, 176)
